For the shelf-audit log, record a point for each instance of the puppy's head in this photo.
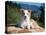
(26, 13)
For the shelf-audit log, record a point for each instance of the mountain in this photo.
(31, 7)
(27, 6)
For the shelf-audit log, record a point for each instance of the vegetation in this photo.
(13, 13)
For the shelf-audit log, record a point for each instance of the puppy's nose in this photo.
(24, 17)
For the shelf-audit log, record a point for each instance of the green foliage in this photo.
(13, 16)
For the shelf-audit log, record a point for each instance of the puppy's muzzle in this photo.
(24, 17)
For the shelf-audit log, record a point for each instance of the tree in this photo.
(42, 16)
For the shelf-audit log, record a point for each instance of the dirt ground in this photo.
(12, 29)
(35, 28)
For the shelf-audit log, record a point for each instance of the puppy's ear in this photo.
(22, 11)
(29, 11)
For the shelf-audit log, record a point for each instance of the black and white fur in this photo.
(26, 22)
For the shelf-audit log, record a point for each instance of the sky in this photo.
(29, 3)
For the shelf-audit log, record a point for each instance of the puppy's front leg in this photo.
(28, 27)
(28, 24)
